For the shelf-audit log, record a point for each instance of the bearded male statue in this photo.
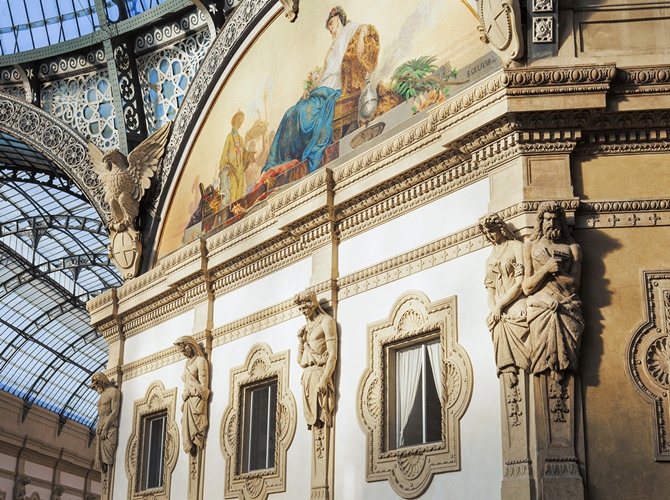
(553, 261)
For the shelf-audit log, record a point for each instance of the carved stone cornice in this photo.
(642, 80)
(623, 213)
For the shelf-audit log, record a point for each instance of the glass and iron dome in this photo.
(54, 258)
(53, 242)
(32, 24)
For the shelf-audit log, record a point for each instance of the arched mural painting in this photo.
(306, 94)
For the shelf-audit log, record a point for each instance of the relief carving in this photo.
(194, 421)
(260, 366)
(648, 358)
(125, 180)
(508, 325)
(317, 355)
(410, 469)
(507, 320)
(106, 433)
(552, 261)
(156, 401)
(501, 28)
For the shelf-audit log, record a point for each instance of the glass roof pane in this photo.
(48, 270)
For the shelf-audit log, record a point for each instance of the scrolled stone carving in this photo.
(409, 470)
(260, 366)
(504, 278)
(194, 421)
(156, 401)
(552, 261)
(125, 181)
(317, 355)
(290, 9)
(501, 28)
(106, 433)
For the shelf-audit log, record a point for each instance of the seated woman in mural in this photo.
(307, 128)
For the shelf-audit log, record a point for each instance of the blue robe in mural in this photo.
(306, 130)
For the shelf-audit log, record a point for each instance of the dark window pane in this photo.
(261, 407)
(154, 447)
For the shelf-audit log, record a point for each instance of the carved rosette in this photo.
(648, 358)
(501, 28)
(410, 470)
(157, 400)
(261, 365)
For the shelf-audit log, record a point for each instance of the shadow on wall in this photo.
(596, 294)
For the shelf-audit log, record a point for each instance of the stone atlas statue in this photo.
(504, 278)
(317, 354)
(108, 420)
(552, 261)
(194, 419)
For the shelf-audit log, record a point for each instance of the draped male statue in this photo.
(317, 354)
(552, 261)
(108, 420)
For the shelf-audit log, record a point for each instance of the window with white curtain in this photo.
(417, 380)
(260, 423)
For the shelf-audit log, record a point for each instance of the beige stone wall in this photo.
(36, 449)
(618, 423)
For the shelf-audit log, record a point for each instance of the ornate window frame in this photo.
(157, 400)
(410, 470)
(261, 365)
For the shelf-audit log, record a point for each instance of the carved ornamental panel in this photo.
(260, 366)
(648, 358)
(410, 469)
(158, 400)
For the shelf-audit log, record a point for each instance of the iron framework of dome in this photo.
(85, 63)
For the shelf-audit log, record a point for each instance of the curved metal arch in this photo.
(55, 286)
(38, 323)
(58, 142)
(58, 221)
(53, 351)
(37, 271)
(54, 366)
(33, 176)
(35, 325)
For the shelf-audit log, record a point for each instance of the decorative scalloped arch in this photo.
(58, 142)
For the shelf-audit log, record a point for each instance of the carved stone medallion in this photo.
(125, 251)
(501, 28)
